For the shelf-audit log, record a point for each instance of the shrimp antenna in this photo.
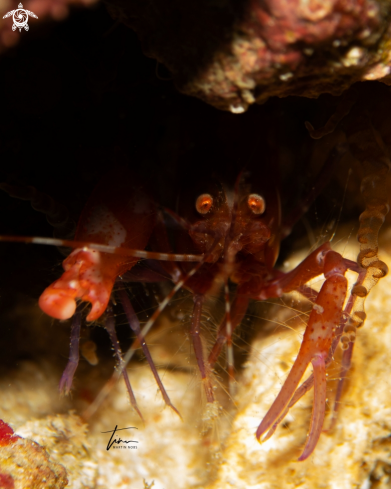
(151, 255)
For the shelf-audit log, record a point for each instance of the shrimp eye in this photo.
(256, 204)
(204, 203)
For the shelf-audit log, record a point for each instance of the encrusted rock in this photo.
(27, 465)
(232, 54)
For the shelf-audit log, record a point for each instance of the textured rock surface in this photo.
(170, 451)
(232, 54)
(64, 437)
(25, 464)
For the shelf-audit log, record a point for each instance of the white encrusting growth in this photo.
(318, 308)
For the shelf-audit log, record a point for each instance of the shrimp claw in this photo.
(324, 320)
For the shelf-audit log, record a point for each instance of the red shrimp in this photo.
(228, 229)
(247, 256)
(238, 235)
(241, 235)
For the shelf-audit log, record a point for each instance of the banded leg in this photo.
(67, 376)
(238, 310)
(230, 351)
(135, 326)
(195, 333)
(110, 328)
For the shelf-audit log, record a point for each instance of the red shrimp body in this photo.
(118, 213)
(239, 233)
(239, 236)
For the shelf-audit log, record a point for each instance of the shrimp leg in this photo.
(195, 332)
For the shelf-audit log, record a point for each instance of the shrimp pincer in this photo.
(113, 231)
(320, 331)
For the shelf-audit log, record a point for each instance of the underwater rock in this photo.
(233, 54)
(25, 464)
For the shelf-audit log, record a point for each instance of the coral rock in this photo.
(232, 54)
(26, 465)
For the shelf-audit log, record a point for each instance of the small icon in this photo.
(20, 16)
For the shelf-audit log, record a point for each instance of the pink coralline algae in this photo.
(6, 481)
(7, 435)
(25, 464)
(232, 54)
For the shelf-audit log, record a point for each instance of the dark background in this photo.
(79, 97)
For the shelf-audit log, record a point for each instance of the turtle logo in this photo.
(20, 17)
